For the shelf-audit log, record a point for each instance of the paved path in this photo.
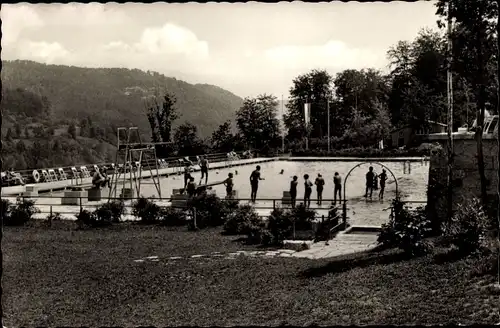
(341, 245)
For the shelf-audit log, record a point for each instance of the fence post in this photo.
(274, 204)
(81, 208)
(194, 218)
(293, 229)
(50, 217)
(344, 214)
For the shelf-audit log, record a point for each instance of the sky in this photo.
(248, 48)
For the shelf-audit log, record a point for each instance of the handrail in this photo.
(218, 157)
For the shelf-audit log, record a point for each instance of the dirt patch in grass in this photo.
(61, 277)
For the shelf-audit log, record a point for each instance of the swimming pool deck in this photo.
(60, 185)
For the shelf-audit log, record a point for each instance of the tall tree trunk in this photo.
(480, 115)
(449, 197)
(498, 140)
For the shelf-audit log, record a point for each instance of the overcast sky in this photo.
(247, 48)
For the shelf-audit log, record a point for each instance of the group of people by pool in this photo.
(373, 181)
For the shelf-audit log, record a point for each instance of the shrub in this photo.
(406, 229)
(146, 210)
(172, 217)
(360, 152)
(211, 211)
(243, 220)
(6, 208)
(280, 225)
(467, 229)
(86, 217)
(20, 213)
(260, 236)
(116, 208)
(303, 217)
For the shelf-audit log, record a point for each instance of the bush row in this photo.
(210, 211)
(360, 152)
(469, 231)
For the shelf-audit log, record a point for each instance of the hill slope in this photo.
(114, 96)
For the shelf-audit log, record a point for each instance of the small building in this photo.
(465, 181)
(412, 136)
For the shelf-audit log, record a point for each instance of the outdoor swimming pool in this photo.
(361, 211)
(414, 184)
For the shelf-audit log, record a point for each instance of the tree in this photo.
(161, 116)
(418, 80)
(357, 91)
(474, 27)
(186, 140)
(222, 139)
(315, 88)
(72, 130)
(26, 132)
(257, 121)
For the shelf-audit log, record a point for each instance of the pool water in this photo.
(411, 186)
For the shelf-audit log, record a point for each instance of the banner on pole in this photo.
(307, 113)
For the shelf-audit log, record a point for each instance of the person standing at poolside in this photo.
(187, 174)
(370, 176)
(191, 187)
(229, 185)
(320, 183)
(308, 191)
(383, 178)
(204, 168)
(293, 190)
(337, 182)
(254, 183)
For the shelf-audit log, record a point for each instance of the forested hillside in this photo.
(74, 111)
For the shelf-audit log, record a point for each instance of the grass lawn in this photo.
(61, 277)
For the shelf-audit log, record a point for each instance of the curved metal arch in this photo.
(378, 163)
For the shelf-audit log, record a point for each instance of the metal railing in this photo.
(274, 203)
(172, 162)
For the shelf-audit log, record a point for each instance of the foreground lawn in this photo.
(61, 277)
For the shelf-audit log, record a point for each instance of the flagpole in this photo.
(328, 113)
(283, 132)
(450, 115)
